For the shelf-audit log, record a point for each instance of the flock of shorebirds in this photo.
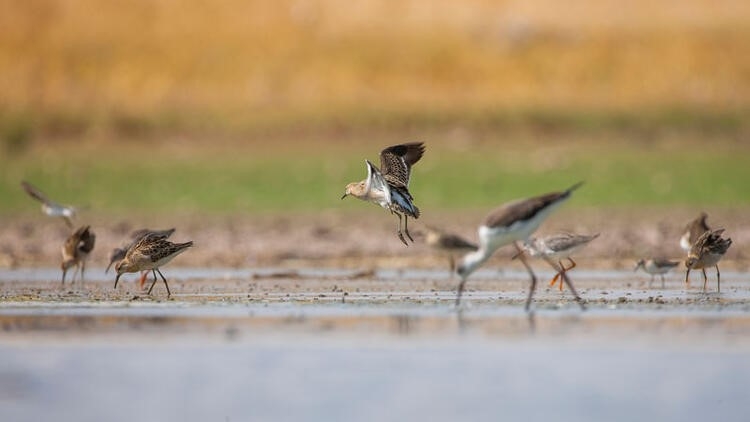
(512, 223)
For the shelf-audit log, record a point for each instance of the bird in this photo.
(707, 251)
(49, 207)
(151, 252)
(511, 223)
(656, 266)
(557, 247)
(76, 249)
(448, 243)
(693, 230)
(118, 254)
(388, 186)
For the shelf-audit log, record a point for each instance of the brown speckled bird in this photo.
(388, 186)
(150, 253)
(118, 254)
(693, 231)
(75, 251)
(707, 251)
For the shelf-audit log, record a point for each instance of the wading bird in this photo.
(511, 223)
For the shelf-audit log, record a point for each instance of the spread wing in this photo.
(35, 193)
(376, 181)
(396, 162)
(525, 209)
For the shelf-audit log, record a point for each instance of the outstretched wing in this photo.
(396, 162)
(376, 181)
(35, 193)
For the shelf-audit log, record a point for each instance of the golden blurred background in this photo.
(225, 66)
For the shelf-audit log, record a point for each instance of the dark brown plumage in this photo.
(525, 209)
(76, 249)
(707, 251)
(151, 252)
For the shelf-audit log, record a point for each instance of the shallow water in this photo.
(330, 344)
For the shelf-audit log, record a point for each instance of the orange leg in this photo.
(562, 270)
(144, 274)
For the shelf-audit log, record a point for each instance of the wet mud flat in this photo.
(311, 344)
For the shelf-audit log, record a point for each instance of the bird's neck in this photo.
(474, 260)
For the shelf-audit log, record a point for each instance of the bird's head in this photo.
(354, 189)
(639, 264)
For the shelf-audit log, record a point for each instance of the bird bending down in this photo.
(75, 251)
(388, 186)
(656, 266)
(510, 223)
(707, 251)
(693, 231)
(150, 253)
(557, 247)
(49, 207)
(118, 254)
(449, 243)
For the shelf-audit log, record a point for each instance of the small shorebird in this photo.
(49, 207)
(557, 247)
(118, 254)
(150, 253)
(707, 251)
(693, 231)
(656, 266)
(510, 223)
(75, 251)
(448, 243)
(389, 185)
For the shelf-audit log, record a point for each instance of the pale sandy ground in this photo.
(329, 317)
(363, 239)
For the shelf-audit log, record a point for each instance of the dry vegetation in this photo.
(71, 65)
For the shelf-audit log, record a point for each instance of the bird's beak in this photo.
(117, 279)
(344, 196)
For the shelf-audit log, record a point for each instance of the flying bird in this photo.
(388, 186)
(49, 207)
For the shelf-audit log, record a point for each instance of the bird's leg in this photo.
(662, 280)
(398, 228)
(570, 285)
(557, 274)
(522, 257)
(406, 227)
(144, 275)
(460, 291)
(165, 282)
(452, 263)
(63, 277)
(152, 283)
(575, 294)
(718, 279)
(705, 279)
(83, 268)
(565, 270)
(562, 270)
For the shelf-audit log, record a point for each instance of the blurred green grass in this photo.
(246, 179)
